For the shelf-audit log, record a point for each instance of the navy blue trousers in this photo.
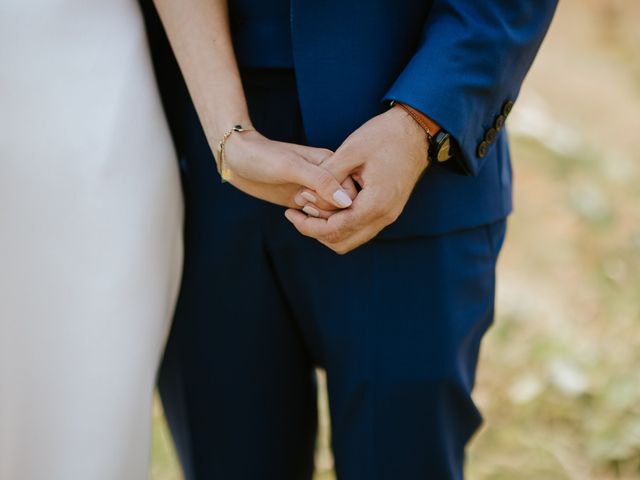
(397, 325)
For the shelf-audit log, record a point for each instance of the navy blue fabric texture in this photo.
(396, 324)
(458, 61)
(261, 33)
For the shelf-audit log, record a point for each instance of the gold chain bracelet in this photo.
(224, 171)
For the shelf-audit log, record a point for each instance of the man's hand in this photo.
(275, 171)
(386, 156)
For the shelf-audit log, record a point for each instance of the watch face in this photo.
(444, 149)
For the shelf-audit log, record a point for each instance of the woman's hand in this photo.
(275, 171)
(285, 195)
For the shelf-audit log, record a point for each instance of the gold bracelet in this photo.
(224, 171)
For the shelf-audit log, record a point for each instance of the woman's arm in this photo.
(200, 36)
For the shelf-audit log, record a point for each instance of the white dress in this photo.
(90, 240)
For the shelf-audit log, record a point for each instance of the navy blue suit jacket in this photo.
(461, 62)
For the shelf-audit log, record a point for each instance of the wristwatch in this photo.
(440, 146)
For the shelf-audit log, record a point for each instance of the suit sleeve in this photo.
(468, 69)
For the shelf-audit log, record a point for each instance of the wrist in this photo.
(217, 129)
(430, 127)
(219, 115)
(438, 140)
(224, 169)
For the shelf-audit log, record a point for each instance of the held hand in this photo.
(274, 171)
(284, 194)
(387, 156)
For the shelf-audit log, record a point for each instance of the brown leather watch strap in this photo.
(430, 127)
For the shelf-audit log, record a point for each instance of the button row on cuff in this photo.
(491, 133)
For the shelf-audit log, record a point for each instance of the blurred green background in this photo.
(559, 378)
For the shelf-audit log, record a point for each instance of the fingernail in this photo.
(342, 199)
(310, 197)
(309, 210)
(299, 200)
(288, 215)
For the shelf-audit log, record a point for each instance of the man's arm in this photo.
(467, 72)
(470, 64)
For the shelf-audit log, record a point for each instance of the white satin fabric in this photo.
(90, 240)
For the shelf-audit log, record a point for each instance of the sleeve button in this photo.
(482, 149)
(499, 122)
(507, 107)
(490, 135)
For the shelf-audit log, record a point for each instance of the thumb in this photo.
(322, 182)
(342, 163)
